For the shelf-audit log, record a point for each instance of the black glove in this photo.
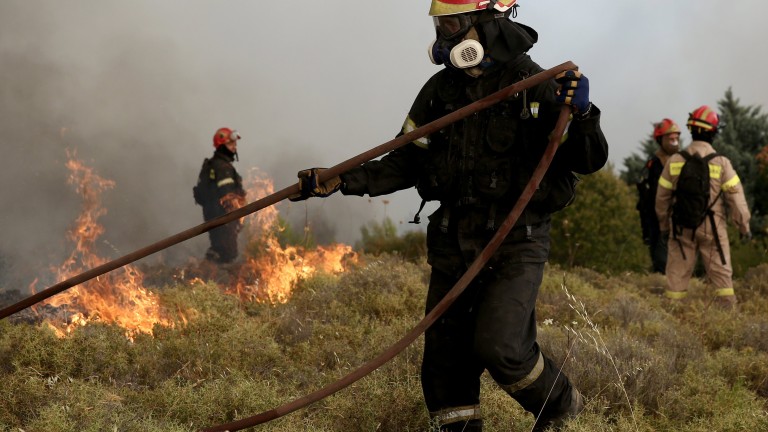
(746, 238)
(309, 186)
(574, 90)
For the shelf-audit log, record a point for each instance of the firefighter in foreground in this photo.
(697, 221)
(219, 190)
(477, 168)
(667, 136)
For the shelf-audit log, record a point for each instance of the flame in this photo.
(268, 273)
(270, 270)
(116, 297)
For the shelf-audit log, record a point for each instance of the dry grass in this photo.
(642, 363)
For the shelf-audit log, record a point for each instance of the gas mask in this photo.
(457, 43)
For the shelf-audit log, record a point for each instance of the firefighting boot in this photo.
(475, 425)
(555, 423)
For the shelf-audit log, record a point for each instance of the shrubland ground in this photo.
(643, 364)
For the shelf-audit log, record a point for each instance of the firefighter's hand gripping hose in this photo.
(291, 190)
(439, 309)
(311, 186)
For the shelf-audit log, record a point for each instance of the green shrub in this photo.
(382, 238)
(601, 229)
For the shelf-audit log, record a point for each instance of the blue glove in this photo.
(573, 90)
(309, 185)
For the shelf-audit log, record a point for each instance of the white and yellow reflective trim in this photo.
(715, 171)
(676, 295)
(723, 292)
(666, 184)
(535, 109)
(410, 126)
(456, 414)
(532, 376)
(731, 184)
(226, 181)
(675, 168)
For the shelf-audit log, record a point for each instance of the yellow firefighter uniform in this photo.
(683, 246)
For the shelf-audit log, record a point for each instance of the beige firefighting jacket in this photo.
(663, 156)
(722, 177)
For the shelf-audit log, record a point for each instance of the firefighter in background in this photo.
(477, 168)
(219, 190)
(667, 136)
(710, 238)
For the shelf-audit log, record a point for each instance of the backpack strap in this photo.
(717, 237)
(711, 214)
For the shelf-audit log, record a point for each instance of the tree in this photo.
(742, 139)
(635, 163)
(601, 229)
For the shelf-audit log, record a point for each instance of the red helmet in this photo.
(224, 136)
(665, 127)
(705, 118)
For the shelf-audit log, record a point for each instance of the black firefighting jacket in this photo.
(217, 178)
(478, 167)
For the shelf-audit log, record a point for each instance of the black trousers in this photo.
(658, 251)
(223, 243)
(491, 326)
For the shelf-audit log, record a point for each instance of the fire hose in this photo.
(280, 195)
(435, 313)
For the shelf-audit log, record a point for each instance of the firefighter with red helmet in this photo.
(708, 234)
(219, 190)
(477, 169)
(667, 136)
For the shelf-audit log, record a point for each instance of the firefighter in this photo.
(667, 136)
(219, 190)
(477, 168)
(710, 237)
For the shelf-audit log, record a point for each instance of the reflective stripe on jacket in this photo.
(723, 178)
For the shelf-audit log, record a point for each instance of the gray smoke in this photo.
(141, 86)
(139, 89)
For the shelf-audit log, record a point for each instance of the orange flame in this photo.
(116, 297)
(268, 273)
(270, 270)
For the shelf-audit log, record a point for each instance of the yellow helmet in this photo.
(453, 7)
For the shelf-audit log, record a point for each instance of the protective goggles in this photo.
(453, 26)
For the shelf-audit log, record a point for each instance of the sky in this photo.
(141, 86)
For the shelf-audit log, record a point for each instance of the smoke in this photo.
(139, 87)
(138, 90)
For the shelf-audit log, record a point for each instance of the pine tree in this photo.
(635, 163)
(743, 136)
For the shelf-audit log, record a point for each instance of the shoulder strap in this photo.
(206, 170)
